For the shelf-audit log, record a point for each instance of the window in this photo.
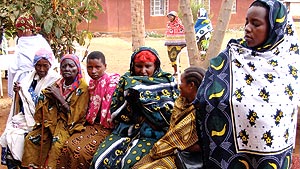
(233, 9)
(159, 7)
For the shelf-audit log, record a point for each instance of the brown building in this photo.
(116, 17)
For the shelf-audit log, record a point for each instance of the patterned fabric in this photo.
(76, 83)
(101, 91)
(277, 20)
(175, 35)
(203, 29)
(173, 52)
(181, 135)
(79, 149)
(249, 101)
(19, 124)
(25, 22)
(141, 108)
(53, 127)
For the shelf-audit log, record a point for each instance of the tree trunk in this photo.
(137, 23)
(190, 37)
(219, 32)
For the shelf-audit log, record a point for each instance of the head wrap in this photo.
(145, 56)
(147, 49)
(202, 14)
(26, 22)
(75, 58)
(277, 22)
(43, 54)
(173, 13)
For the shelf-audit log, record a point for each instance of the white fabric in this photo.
(272, 80)
(17, 125)
(26, 48)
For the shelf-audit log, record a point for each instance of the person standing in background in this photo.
(203, 29)
(29, 41)
(175, 38)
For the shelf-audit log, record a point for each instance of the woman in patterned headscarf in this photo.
(59, 113)
(249, 96)
(141, 109)
(28, 43)
(203, 29)
(20, 120)
(175, 38)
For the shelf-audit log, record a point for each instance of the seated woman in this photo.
(141, 109)
(182, 134)
(20, 120)
(59, 113)
(79, 149)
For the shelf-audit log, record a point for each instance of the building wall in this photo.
(116, 17)
(237, 19)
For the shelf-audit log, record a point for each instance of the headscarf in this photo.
(148, 49)
(161, 86)
(277, 23)
(43, 54)
(145, 56)
(173, 13)
(26, 22)
(76, 82)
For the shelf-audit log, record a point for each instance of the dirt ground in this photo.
(117, 52)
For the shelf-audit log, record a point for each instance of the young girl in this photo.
(182, 134)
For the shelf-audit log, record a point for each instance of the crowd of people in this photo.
(240, 112)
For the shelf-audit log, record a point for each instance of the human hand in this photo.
(16, 87)
(54, 90)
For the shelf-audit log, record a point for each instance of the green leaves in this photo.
(58, 20)
(48, 24)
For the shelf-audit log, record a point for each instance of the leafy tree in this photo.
(58, 20)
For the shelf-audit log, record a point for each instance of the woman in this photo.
(20, 120)
(79, 149)
(203, 29)
(182, 134)
(140, 109)
(249, 96)
(59, 114)
(28, 43)
(175, 38)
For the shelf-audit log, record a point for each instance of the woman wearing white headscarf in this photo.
(20, 120)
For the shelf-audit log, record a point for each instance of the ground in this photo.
(117, 52)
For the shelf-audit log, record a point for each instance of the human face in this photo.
(144, 68)
(257, 26)
(171, 18)
(95, 68)
(42, 67)
(184, 87)
(69, 70)
(187, 90)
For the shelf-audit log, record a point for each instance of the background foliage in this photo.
(58, 20)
